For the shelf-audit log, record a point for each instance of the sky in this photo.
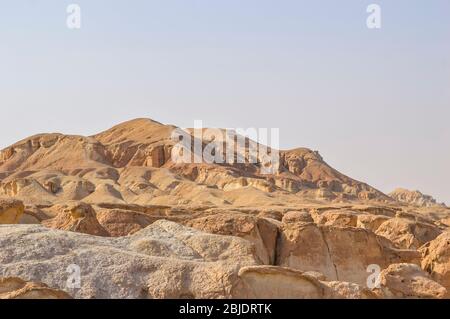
(374, 102)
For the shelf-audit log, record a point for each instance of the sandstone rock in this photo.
(120, 222)
(11, 211)
(370, 222)
(259, 231)
(271, 214)
(77, 217)
(414, 198)
(337, 218)
(16, 288)
(409, 281)
(436, 259)
(269, 282)
(297, 216)
(341, 254)
(165, 260)
(408, 234)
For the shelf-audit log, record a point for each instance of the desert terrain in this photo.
(135, 224)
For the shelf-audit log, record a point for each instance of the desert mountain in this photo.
(141, 225)
(415, 198)
(131, 163)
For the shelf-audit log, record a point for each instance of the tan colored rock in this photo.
(11, 211)
(408, 234)
(259, 231)
(76, 217)
(269, 282)
(414, 198)
(164, 260)
(337, 218)
(371, 222)
(271, 214)
(16, 288)
(297, 216)
(409, 281)
(341, 254)
(120, 222)
(436, 259)
(348, 290)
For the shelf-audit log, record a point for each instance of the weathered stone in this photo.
(11, 211)
(341, 254)
(16, 288)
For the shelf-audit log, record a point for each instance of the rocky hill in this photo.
(139, 225)
(131, 163)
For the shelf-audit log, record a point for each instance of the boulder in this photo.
(269, 282)
(16, 288)
(165, 260)
(371, 222)
(409, 281)
(408, 234)
(259, 231)
(340, 253)
(11, 210)
(297, 216)
(436, 259)
(77, 217)
(120, 222)
(337, 218)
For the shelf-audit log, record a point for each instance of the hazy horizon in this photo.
(374, 103)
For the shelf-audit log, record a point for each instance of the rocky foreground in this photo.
(116, 208)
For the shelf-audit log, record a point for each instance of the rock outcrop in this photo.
(77, 217)
(11, 211)
(409, 281)
(137, 224)
(436, 259)
(259, 231)
(268, 282)
(165, 260)
(415, 198)
(340, 253)
(408, 234)
(16, 288)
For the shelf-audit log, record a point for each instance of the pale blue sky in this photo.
(375, 103)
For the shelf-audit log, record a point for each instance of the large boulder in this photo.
(409, 281)
(269, 282)
(77, 217)
(371, 222)
(337, 218)
(436, 259)
(408, 234)
(340, 253)
(259, 231)
(297, 217)
(11, 210)
(165, 260)
(121, 222)
(16, 288)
